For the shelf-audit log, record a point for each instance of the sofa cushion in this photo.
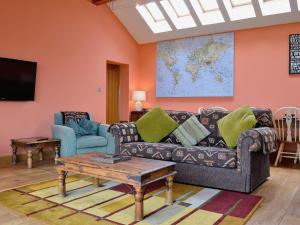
(264, 117)
(190, 132)
(209, 119)
(162, 151)
(89, 141)
(232, 125)
(179, 117)
(155, 125)
(206, 156)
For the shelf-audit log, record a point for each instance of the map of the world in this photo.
(198, 66)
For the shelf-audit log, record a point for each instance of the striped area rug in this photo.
(113, 203)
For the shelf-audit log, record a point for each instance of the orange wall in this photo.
(261, 73)
(71, 40)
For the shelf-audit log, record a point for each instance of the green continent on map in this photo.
(205, 57)
(168, 55)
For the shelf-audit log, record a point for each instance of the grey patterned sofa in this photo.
(210, 163)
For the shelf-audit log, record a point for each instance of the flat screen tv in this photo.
(17, 80)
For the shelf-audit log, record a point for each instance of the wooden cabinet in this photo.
(135, 115)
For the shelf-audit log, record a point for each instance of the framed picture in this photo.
(294, 54)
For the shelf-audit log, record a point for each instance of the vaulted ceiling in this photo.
(158, 20)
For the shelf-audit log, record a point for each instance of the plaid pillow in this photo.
(191, 132)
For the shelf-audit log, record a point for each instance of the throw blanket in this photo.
(76, 116)
(269, 139)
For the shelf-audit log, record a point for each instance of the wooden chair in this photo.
(214, 107)
(286, 122)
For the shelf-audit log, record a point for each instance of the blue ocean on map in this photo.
(196, 67)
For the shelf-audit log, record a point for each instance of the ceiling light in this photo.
(207, 11)
(239, 9)
(178, 13)
(271, 7)
(153, 17)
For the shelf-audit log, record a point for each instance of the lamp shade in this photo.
(139, 96)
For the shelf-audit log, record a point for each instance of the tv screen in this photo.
(17, 80)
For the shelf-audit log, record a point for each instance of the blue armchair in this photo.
(72, 145)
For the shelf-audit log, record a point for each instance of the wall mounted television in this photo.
(17, 80)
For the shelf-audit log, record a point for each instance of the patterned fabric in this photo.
(76, 116)
(161, 151)
(113, 203)
(179, 117)
(206, 156)
(127, 132)
(264, 117)
(191, 132)
(209, 118)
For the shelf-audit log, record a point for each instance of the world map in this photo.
(195, 67)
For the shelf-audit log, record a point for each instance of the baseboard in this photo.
(5, 161)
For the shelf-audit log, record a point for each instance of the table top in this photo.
(34, 140)
(134, 166)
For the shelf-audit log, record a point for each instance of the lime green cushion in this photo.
(155, 125)
(232, 125)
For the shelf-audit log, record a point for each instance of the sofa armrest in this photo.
(250, 148)
(103, 131)
(67, 138)
(124, 133)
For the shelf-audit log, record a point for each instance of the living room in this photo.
(72, 44)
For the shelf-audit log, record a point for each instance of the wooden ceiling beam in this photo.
(100, 2)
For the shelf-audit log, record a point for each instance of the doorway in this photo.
(112, 93)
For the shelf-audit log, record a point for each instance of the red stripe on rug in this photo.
(226, 200)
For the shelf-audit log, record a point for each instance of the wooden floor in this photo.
(281, 192)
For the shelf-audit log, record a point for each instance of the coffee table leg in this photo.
(139, 205)
(97, 182)
(29, 158)
(14, 155)
(62, 183)
(40, 154)
(169, 196)
(56, 149)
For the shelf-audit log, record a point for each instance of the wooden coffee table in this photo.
(138, 172)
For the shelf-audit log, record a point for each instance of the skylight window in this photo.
(178, 13)
(153, 17)
(298, 5)
(208, 11)
(239, 9)
(271, 7)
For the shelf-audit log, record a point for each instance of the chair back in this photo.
(218, 108)
(59, 120)
(286, 122)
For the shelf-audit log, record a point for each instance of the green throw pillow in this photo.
(90, 126)
(155, 125)
(232, 125)
(79, 131)
(191, 132)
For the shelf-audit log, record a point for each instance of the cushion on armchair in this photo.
(90, 126)
(90, 141)
(232, 125)
(79, 131)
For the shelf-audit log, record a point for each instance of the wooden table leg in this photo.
(62, 183)
(29, 158)
(139, 205)
(14, 154)
(97, 182)
(40, 154)
(169, 194)
(57, 151)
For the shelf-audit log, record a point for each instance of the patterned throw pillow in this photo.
(191, 132)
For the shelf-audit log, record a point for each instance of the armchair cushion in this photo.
(79, 131)
(89, 141)
(90, 126)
